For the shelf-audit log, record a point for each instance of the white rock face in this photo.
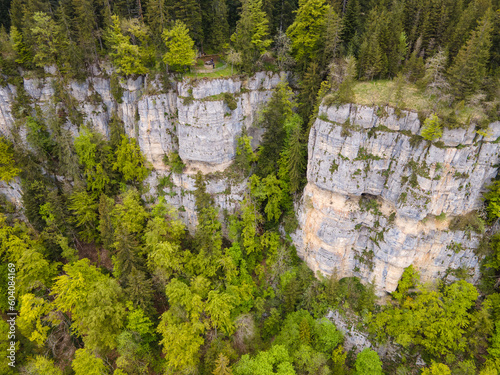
(383, 160)
(204, 132)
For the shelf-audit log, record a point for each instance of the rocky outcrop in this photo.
(191, 117)
(379, 197)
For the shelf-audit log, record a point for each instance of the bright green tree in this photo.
(437, 369)
(45, 34)
(180, 46)
(42, 365)
(127, 57)
(129, 161)
(94, 301)
(252, 32)
(368, 362)
(431, 129)
(7, 167)
(86, 363)
(32, 318)
(308, 29)
(84, 208)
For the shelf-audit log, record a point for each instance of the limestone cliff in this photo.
(375, 187)
(190, 117)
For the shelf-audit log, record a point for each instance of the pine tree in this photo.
(219, 28)
(469, 67)
(351, 26)
(45, 34)
(310, 85)
(180, 47)
(333, 34)
(277, 110)
(105, 224)
(127, 57)
(222, 366)
(294, 154)
(156, 17)
(251, 35)
(307, 30)
(371, 57)
(189, 13)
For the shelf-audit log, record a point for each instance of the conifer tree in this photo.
(45, 34)
(180, 47)
(351, 26)
(128, 58)
(333, 34)
(156, 17)
(293, 156)
(371, 57)
(310, 85)
(277, 110)
(189, 13)
(251, 35)
(87, 28)
(469, 67)
(219, 28)
(307, 30)
(222, 366)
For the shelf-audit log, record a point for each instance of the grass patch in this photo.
(383, 92)
(226, 72)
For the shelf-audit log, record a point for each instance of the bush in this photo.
(174, 161)
(116, 88)
(432, 128)
(230, 101)
(468, 222)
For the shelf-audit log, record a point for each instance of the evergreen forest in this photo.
(105, 276)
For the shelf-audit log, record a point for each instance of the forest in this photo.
(104, 279)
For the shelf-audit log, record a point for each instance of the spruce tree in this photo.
(189, 13)
(277, 110)
(180, 47)
(351, 26)
(308, 29)
(469, 67)
(251, 35)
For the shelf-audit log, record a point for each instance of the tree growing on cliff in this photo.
(368, 362)
(180, 46)
(7, 169)
(431, 129)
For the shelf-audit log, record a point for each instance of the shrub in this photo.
(230, 101)
(174, 161)
(116, 88)
(432, 129)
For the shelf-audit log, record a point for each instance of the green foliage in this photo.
(492, 197)
(250, 38)
(437, 369)
(308, 28)
(174, 161)
(368, 362)
(45, 36)
(431, 129)
(409, 279)
(127, 57)
(84, 207)
(264, 363)
(82, 291)
(230, 101)
(245, 155)
(116, 88)
(436, 321)
(7, 168)
(42, 365)
(129, 161)
(86, 363)
(180, 46)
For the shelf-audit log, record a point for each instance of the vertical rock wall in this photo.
(375, 188)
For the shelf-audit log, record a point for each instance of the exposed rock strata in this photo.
(375, 187)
